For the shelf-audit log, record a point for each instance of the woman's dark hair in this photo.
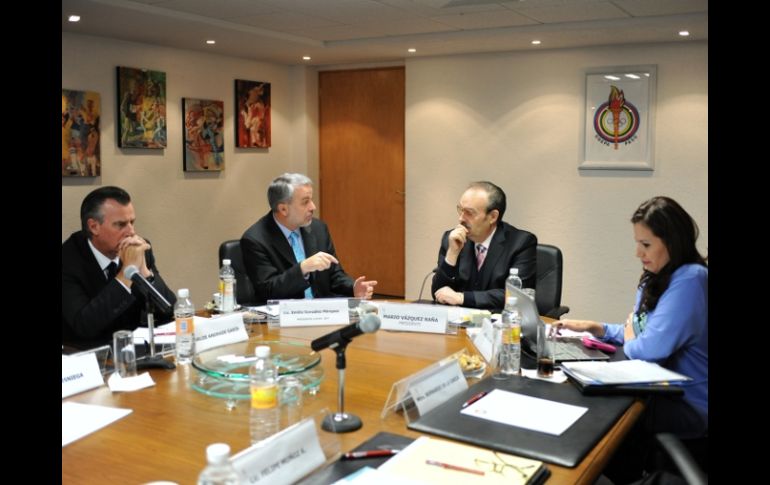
(678, 231)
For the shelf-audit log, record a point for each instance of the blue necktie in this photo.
(299, 255)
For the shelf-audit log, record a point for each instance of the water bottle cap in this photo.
(226, 262)
(262, 351)
(514, 271)
(217, 453)
(183, 293)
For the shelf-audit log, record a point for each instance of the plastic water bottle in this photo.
(227, 286)
(184, 312)
(513, 281)
(219, 470)
(511, 318)
(265, 414)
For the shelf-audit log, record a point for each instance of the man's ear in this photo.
(93, 226)
(494, 215)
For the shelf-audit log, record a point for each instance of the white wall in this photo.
(187, 215)
(514, 119)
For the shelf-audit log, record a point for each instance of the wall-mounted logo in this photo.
(617, 120)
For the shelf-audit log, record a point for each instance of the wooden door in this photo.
(361, 131)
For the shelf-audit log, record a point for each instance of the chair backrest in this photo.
(548, 282)
(244, 290)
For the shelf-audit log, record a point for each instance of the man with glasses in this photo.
(476, 256)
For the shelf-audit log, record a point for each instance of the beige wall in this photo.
(186, 215)
(514, 118)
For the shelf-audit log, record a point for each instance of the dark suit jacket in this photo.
(509, 248)
(92, 307)
(274, 271)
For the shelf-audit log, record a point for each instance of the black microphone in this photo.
(369, 323)
(434, 270)
(132, 273)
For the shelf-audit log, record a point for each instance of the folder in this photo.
(343, 468)
(566, 449)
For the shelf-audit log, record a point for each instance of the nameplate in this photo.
(213, 332)
(316, 311)
(484, 339)
(413, 317)
(79, 373)
(283, 458)
(437, 387)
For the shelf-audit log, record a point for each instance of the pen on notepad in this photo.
(352, 455)
(453, 467)
(473, 399)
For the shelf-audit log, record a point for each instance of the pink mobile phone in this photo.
(590, 343)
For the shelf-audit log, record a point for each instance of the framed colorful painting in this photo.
(80, 136)
(204, 149)
(141, 108)
(619, 118)
(252, 114)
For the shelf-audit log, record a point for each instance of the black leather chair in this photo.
(244, 290)
(679, 453)
(548, 281)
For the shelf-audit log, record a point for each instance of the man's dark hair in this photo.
(495, 195)
(91, 208)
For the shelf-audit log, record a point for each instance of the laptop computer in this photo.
(564, 349)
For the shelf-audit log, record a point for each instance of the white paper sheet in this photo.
(164, 334)
(78, 420)
(128, 384)
(531, 412)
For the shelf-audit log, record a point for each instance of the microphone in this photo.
(132, 273)
(434, 270)
(369, 323)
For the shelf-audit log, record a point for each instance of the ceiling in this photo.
(360, 31)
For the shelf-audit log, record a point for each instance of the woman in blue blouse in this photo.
(669, 324)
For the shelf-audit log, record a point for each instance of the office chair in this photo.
(686, 465)
(548, 282)
(244, 290)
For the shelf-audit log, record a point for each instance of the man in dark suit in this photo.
(476, 256)
(289, 254)
(97, 299)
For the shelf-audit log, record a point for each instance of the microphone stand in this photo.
(341, 422)
(152, 361)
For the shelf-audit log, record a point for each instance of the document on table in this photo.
(531, 412)
(78, 420)
(164, 334)
(622, 372)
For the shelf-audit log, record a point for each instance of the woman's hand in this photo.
(594, 328)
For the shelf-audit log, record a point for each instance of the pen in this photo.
(352, 455)
(473, 399)
(454, 467)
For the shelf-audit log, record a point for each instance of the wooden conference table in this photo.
(166, 435)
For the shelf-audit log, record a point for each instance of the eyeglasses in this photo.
(466, 211)
(501, 466)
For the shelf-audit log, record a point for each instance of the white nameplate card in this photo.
(484, 339)
(437, 387)
(413, 317)
(79, 373)
(283, 458)
(318, 311)
(213, 332)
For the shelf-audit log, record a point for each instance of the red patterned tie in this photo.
(481, 253)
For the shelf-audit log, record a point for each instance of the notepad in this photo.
(464, 464)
